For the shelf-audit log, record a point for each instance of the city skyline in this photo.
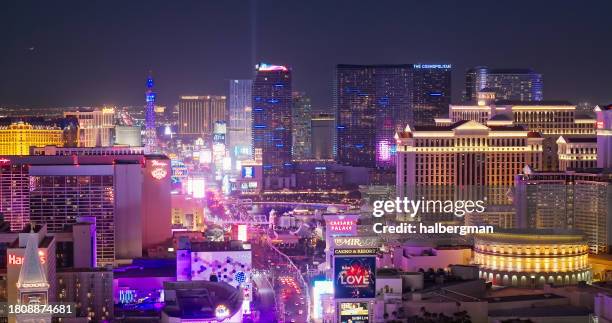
(93, 62)
(306, 162)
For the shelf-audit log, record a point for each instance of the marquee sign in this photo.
(354, 277)
(356, 242)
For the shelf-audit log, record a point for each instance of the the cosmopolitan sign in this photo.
(432, 65)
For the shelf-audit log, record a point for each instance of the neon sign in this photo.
(159, 171)
(362, 242)
(17, 260)
(432, 65)
(267, 67)
(342, 225)
(384, 151)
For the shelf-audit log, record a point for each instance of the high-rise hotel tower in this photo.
(271, 117)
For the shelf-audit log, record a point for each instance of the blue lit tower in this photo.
(271, 125)
(150, 134)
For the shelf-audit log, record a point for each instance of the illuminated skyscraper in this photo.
(372, 102)
(239, 130)
(300, 122)
(508, 84)
(150, 132)
(272, 123)
(431, 92)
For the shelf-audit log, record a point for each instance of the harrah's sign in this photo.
(18, 260)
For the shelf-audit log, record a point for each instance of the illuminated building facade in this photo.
(127, 195)
(574, 153)
(604, 136)
(323, 136)
(465, 153)
(431, 92)
(14, 194)
(239, 121)
(17, 138)
(95, 126)
(97, 151)
(532, 258)
(300, 125)
(272, 102)
(90, 288)
(372, 102)
(550, 118)
(508, 84)
(61, 195)
(156, 204)
(197, 114)
(579, 200)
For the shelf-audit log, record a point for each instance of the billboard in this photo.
(232, 267)
(354, 277)
(248, 171)
(354, 312)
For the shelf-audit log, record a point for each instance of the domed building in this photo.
(532, 258)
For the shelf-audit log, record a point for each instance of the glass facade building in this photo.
(431, 92)
(508, 84)
(239, 130)
(301, 130)
(272, 102)
(372, 102)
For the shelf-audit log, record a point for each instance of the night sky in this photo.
(85, 53)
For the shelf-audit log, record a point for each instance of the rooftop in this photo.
(544, 311)
(535, 103)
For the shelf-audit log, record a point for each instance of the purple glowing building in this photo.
(150, 134)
